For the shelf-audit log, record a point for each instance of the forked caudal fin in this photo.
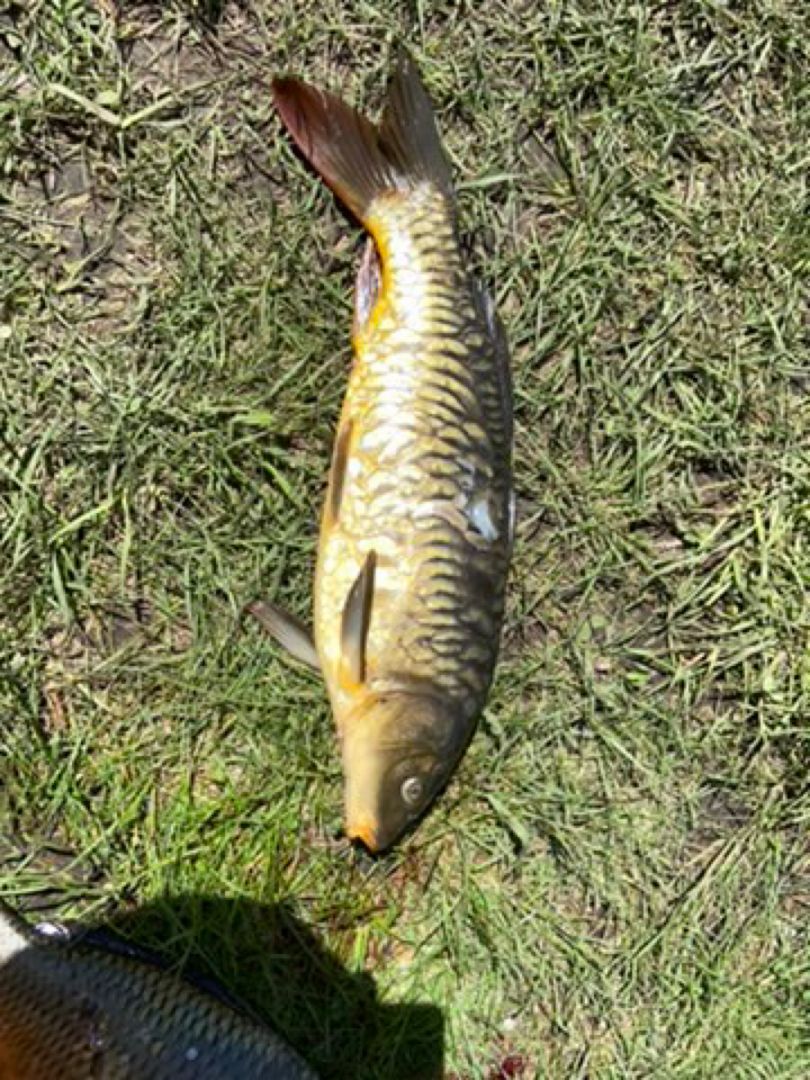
(360, 160)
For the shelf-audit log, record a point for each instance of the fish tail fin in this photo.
(408, 130)
(359, 160)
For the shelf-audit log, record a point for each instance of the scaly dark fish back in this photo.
(72, 1011)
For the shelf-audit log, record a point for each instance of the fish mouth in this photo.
(365, 831)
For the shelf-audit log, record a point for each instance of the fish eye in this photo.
(411, 790)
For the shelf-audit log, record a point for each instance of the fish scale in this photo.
(72, 1010)
(414, 379)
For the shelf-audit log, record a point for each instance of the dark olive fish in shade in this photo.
(417, 529)
(71, 1011)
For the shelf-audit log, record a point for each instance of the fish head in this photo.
(399, 750)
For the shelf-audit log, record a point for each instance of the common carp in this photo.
(72, 1010)
(416, 533)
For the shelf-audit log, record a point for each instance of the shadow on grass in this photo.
(276, 967)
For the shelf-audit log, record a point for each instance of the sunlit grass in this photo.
(617, 883)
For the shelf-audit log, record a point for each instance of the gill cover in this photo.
(399, 750)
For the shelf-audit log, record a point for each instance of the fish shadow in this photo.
(263, 959)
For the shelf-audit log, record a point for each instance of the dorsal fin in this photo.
(500, 410)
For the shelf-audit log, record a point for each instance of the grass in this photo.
(617, 883)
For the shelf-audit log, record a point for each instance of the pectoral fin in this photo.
(287, 630)
(355, 623)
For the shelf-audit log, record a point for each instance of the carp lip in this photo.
(364, 833)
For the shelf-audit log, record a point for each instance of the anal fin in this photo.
(367, 288)
(337, 475)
